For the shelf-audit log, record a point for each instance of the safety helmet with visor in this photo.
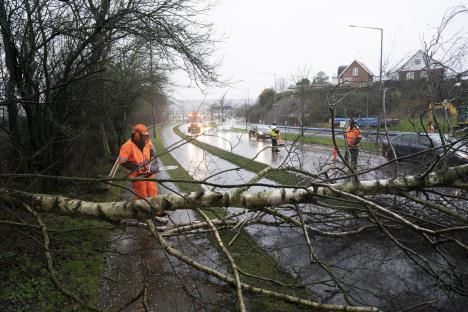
(140, 132)
(352, 123)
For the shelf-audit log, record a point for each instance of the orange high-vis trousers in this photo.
(145, 189)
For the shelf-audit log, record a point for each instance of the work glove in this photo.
(154, 168)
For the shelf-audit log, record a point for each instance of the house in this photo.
(355, 74)
(419, 66)
(463, 75)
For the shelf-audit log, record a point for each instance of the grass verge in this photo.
(78, 256)
(246, 252)
(321, 140)
(280, 177)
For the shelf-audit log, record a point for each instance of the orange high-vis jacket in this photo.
(352, 136)
(130, 152)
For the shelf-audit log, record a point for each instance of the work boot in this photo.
(160, 213)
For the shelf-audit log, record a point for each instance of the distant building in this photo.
(355, 74)
(419, 66)
(220, 112)
(463, 75)
(340, 69)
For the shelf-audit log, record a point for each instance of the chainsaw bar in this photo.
(166, 168)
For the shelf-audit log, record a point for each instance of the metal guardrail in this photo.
(366, 132)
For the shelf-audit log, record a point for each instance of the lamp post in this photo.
(302, 110)
(181, 109)
(274, 88)
(382, 89)
(246, 104)
(381, 47)
(247, 109)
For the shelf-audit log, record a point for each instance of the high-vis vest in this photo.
(273, 134)
(352, 136)
(130, 152)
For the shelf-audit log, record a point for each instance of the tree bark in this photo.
(140, 209)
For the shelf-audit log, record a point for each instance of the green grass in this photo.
(78, 257)
(405, 125)
(368, 146)
(243, 162)
(321, 140)
(246, 252)
(412, 125)
(239, 130)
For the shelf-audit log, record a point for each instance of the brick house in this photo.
(419, 66)
(355, 74)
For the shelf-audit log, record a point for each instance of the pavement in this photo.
(135, 261)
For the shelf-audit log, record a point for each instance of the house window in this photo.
(355, 71)
(423, 74)
(409, 75)
(417, 61)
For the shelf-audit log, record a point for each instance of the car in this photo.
(406, 144)
(259, 133)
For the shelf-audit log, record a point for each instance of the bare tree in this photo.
(53, 50)
(375, 238)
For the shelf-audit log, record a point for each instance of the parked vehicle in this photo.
(410, 143)
(259, 133)
(370, 122)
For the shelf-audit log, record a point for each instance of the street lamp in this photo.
(382, 89)
(246, 104)
(381, 47)
(274, 87)
(247, 109)
(181, 109)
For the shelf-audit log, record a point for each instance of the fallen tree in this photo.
(138, 209)
(396, 208)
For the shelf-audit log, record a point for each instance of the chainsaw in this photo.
(116, 167)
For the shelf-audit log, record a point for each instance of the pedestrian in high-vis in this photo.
(135, 155)
(353, 138)
(274, 136)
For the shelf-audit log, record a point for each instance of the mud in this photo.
(135, 261)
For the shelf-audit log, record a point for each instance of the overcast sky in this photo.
(278, 36)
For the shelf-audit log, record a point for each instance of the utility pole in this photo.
(367, 106)
(152, 90)
(222, 110)
(247, 108)
(302, 110)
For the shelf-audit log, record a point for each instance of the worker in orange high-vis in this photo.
(353, 138)
(135, 155)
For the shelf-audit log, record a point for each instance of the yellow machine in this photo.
(450, 110)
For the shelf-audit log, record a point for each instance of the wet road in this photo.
(383, 275)
(306, 156)
(138, 259)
